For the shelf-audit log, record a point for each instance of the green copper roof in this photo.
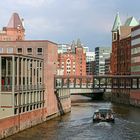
(117, 23)
(131, 21)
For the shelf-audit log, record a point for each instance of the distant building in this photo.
(14, 31)
(63, 48)
(90, 58)
(73, 62)
(86, 49)
(101, 53)
(107, 66)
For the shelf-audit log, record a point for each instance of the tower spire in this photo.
(117, 23)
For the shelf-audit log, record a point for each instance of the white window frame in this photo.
(10, 50)
(1, 50)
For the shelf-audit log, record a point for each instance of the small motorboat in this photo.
(103, 115)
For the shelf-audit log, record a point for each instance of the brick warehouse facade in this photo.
(121, 55)
(27, 94)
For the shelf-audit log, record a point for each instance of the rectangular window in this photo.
(115, 36)
(39, 51)
(135, 59)
(29, 51)
(9, 50)
(19, 50)
(135, 68)
(1, 50)
(15, 111)
(40, 64)
(16, 100)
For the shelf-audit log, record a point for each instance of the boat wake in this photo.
(103, 124)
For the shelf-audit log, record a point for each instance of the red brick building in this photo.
(124, 57)
(121, 54)
(121, 46)
(73, 63)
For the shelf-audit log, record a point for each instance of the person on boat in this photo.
(97, 115)
(108, 115)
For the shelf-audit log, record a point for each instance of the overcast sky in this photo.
(63, 21)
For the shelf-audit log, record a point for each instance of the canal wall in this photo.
(135, 98)
(121, 96)
(17, 123)
(126, 96)
(107, 95)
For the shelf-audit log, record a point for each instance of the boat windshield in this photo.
(104, 110)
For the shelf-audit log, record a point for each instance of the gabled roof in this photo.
(131, 21)
(15, 22)
(117, 23)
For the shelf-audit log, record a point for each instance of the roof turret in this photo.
(15, 22)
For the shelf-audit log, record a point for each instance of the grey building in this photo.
(107, 66)
(90, 57)
(101, 53)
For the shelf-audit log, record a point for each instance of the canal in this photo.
(78, 124)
